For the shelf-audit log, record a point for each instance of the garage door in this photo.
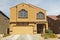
(23, 30)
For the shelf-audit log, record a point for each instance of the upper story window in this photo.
(23, 13)
(40, 15)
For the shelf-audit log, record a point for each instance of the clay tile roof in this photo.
(53, 17)
(58, 16)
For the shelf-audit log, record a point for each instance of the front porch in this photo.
(40, 28)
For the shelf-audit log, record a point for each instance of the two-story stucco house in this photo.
(27, 19)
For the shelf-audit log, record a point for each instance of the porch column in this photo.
(44, 29)
(35, 29)
(46, 26)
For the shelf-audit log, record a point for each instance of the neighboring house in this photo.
(54, 23)
(27, 19)
(4, 23)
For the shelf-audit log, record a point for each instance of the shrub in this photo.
(53, 36)
(49, 34)
(6, 35)
(49, 31)
(45, 36)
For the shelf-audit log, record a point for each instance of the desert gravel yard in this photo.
(27, 37)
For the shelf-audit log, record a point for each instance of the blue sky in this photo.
(52, 6)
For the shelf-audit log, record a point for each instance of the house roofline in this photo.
(4, 14)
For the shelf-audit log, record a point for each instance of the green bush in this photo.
(49, 31)
(49, 34)
(53, 36)
(6, 35)
(45, 35)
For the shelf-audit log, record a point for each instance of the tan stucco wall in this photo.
(29, 29)
(21, 29)
(13, 14)
(4, 24)
(32, 13)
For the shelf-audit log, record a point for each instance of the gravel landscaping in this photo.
(27, 37)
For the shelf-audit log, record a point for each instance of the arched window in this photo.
(40, 15)
(23, 13)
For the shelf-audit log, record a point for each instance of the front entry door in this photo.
(40, 28)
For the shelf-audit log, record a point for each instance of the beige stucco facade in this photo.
(4, 23)
(30, 23)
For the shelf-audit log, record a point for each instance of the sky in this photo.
(52, 7)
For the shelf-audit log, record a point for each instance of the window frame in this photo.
(40, 17)
(19, 14)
